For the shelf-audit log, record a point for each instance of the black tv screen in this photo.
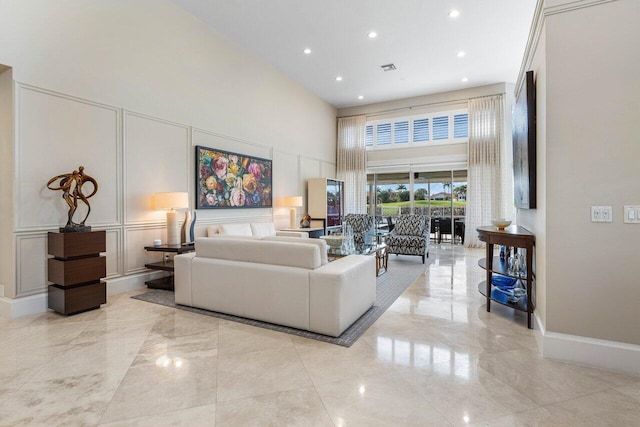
(524, 145)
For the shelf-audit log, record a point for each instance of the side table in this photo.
(166, 264)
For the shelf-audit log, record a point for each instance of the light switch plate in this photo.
(601, 214)
(631, 214)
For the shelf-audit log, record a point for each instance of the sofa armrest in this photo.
(293, 233)
(182, 278)
(340, 292)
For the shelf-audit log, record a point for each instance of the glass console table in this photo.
(378, 250)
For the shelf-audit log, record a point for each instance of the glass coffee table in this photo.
(378, 250)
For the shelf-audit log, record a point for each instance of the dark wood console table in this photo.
(166, 264)
(518, 237)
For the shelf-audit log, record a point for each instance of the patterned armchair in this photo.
(410, 236)
(362, 226)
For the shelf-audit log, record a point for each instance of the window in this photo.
(368, 135)
(401, 132)
(422, 129)
(441, 128)
(384, 133)
(461, 125)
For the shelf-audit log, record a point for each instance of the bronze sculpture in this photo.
(71, 186)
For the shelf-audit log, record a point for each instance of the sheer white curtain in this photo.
(485, 180)
(352, 163)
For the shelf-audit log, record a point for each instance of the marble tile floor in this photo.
(435, 358)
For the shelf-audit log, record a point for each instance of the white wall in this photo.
(592, 159)
(588, 105)
(126, 89)
(7, 254)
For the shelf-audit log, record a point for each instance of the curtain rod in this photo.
(392, 110)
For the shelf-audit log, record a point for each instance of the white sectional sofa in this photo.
(281, 280)
(253, 229)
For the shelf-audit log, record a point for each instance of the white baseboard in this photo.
(12, 308)
(592, 352)
(132, 282)
(25, 306)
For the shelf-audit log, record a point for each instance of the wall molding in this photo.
(537, 25)
(232, 138)
(20, 291)
(19, 88)
(24, 306)
(131, 282)
(592, 351)
(32, 297)
(125, 114)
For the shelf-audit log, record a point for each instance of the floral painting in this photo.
(231, 180)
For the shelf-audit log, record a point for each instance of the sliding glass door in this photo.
(441, 195)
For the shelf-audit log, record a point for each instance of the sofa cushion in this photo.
(240, 229)
(322, 244)
(262, 229)
(301, 255)
(212, 230)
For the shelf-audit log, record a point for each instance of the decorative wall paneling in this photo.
(114, 252)
(155, 160)
(132, 156)
(31, 263)
(68, 132)
(135, 239)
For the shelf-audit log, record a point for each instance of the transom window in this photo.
(446, 127)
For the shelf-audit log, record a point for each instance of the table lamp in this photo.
(292, 202)
(171, 201)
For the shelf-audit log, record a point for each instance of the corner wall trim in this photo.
(592, 351)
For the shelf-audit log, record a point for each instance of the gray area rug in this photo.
(402, 272)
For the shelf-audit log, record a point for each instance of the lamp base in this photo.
(173, 233)
(292, 218)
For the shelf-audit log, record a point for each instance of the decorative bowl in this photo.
(501, 223)
(334, 241)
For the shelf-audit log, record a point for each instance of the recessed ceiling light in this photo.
(360, 97)
(454, 13)
(339, 78)
(461, 54)
(372, 35)
(307, 51)
(464, 80)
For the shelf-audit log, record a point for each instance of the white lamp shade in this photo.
(293, 201)
(170, 200)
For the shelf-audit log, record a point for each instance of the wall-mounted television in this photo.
(524, 145)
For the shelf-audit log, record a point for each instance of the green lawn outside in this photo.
(435, 203)
(391, 208)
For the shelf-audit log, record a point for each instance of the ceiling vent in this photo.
(388, 67)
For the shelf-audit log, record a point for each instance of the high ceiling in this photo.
(418, 36)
